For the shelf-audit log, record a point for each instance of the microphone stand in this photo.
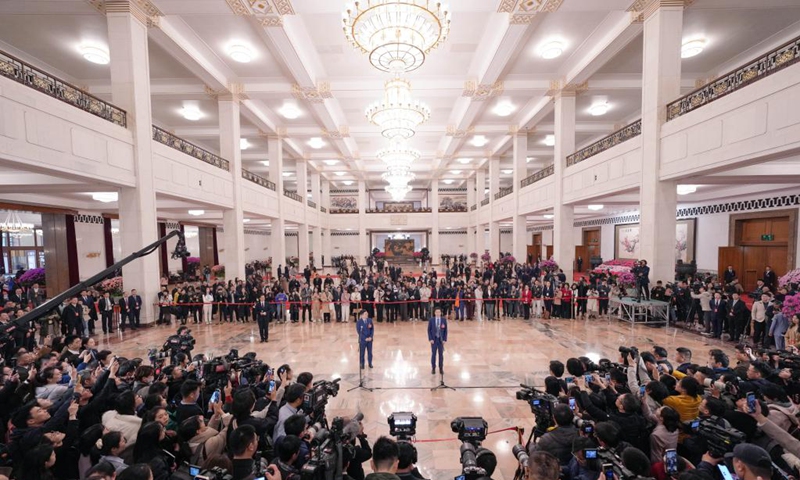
(442, 385)
(360, 381)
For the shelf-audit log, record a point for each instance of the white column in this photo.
(480, 241)
(326, 195)
(363, 239)
(472, 216)
(130, 90)
(519, 242)
(302, 228)
(494, 240)
(494, 225)
(232, 219)
(275, 152)
(316, 235)
(480, 187)
(434, 203)
(494, 177)
(564, 215)
(663, 29)
(326, 245)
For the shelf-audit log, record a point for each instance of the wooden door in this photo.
(592, 242)
(548, 252)
(536, 248)
(729, 256)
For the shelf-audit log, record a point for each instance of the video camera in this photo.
(631, 352)
(156, 356)
(327, 447)
(609, 461)
(194, 472)
(720, 440)
(471, 431)
(585, 426)
(402, 425)
(541, 406)
(315, 400)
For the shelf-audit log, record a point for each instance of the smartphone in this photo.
(641, 391)
(751, 402)
(671, 461)
(572, 404)
(568, 380)
(726, 474)
(271, 386)
(270, 372)
(588, 429)
(590, 453)
(460, 477)
(695, 425)
(608, 377)
(194, 470)
(215, 397)
(608, 471)
(587, 378)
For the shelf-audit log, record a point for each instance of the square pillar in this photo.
(564, 215)
(232, 219)
(480, 186)
(434, 203)
(316, 246)
(480, 241)
(494, 177)
(663, 30)
(363, 239)
(494, 240)
(519, 242)
(302, 229)
(130, 90)
(326, 246)
(278, 226)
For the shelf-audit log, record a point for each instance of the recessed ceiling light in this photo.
(246, 220)
(507, 172)
(340, 174)
(191, 112)
(595, 208)
(105, 197)
(330, 162)
(316, 143)
(693, 47)
(455, 172)
(598, 109)
(504, 108)
(290, 111)
(550, 140)
(551, 50)
(197, 213)
(243, 144)
(464, 161)
(240, 53)
(95, 54)
(287, 174)
(548, 216)
(479, 140)
(448, 181)
(348, 182)
(686, 189)
(265, 163)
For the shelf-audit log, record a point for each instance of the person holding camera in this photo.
(558, 441)
(243, 445)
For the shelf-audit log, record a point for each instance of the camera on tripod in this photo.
(327, 447)
(402, 425)
(585, 426)
(720, 440)
(541, 406)
(471, 431)
(315, 400)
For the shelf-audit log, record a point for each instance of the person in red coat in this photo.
(526, 297)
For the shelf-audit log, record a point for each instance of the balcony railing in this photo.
(474, 207)
(400, 210)
(453, 209)
(485, 202)
(293, 195)
(30, 76)
(258, 179)
(620, 136)
(323, 209)
(170, 140)
(343, 210)
(543, 173)
(503, 192)
(312, 204)
(763, 66)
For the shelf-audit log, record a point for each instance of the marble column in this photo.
(663, 30)
(363, 239)
(472, 216)
(275, 153)
(130, 90)
(233, 218)
(434, 203)
(564, 215)
(326, 245)
(494, 177)
(494, 240)
(316, 235)
(480, 186)
(302, 229)
(519, 240)
(480, 241)
(494, 225)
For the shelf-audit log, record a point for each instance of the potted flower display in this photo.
(218, 271)
(34, 275)
(793, 277)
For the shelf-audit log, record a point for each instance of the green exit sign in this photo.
(768, 237)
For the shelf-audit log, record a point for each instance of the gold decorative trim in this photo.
(211, 92)
(342, 132)
(269, 13)
(506, 6)
(559, 88)
(453, 131)
(271, 21)
(482, 91)
(153, 22)
(316, 94)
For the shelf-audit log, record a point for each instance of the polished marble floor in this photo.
(492, 358)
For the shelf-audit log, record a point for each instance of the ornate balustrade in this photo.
(474, 207)
(15, 69)
(293, 195)
(620, 136)
(761, 67)
(323, 209)
(503, 192)
(541, 174)
(258, 179)
(400, 210)
(453, 209)
(311, 204)
(485, 202)
(343, 210)
(164, 137)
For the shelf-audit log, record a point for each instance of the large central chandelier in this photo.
(14, 224)
(397, 34)
(398, 158)
(398, 115)
(398, 154)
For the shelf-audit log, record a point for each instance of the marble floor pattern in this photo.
(500, 355)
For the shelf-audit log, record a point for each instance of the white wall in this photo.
(91, 246)
(256, 247)
(343, 245)
(453, 244)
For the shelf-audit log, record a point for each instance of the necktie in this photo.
(438, 328)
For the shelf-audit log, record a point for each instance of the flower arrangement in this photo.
(218, 271)
(473, 255)
(793, 277)
(626, 278)
(34, 275)
(624, 262)
(418, 255)
(380, 255)
(548, 265)
(193, 260)
(508, 259)
(791, 305)
(111, 285)
(486, 257)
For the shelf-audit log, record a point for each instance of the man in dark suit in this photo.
(770, 279)
(106, 313)
(124, 311)
(737, 316)
(88, 301)
(307, 274)
(36, 295)
(134, 309)
(261, 312)
(719, 311)
(437, 335)
(366, 334)
(729, 275)
(72, 317)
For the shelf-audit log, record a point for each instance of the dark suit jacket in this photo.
(770, 279)
(738, 311)
(261, 311)
(432, 329)
(134, 303)
(719, 308)
(103, 306)
(123, 305)
(72, 314)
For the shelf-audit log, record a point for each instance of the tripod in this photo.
(360, 382)
(442, 385)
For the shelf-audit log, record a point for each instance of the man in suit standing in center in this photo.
(437, 335)
(124, 311)
(366, 334)
(134, 309)
(261, 312)
(106, 312)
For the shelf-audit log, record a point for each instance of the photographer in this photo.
(296, 426)
(243, 446)
(558, 441)
(579, 467)
(384, 460)
(294, 399)
(288, 454)
(361, 453)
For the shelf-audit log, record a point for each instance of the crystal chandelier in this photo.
(397, 192)
(397, 34)
(398, 115)
(13, 224)
(398, 154)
